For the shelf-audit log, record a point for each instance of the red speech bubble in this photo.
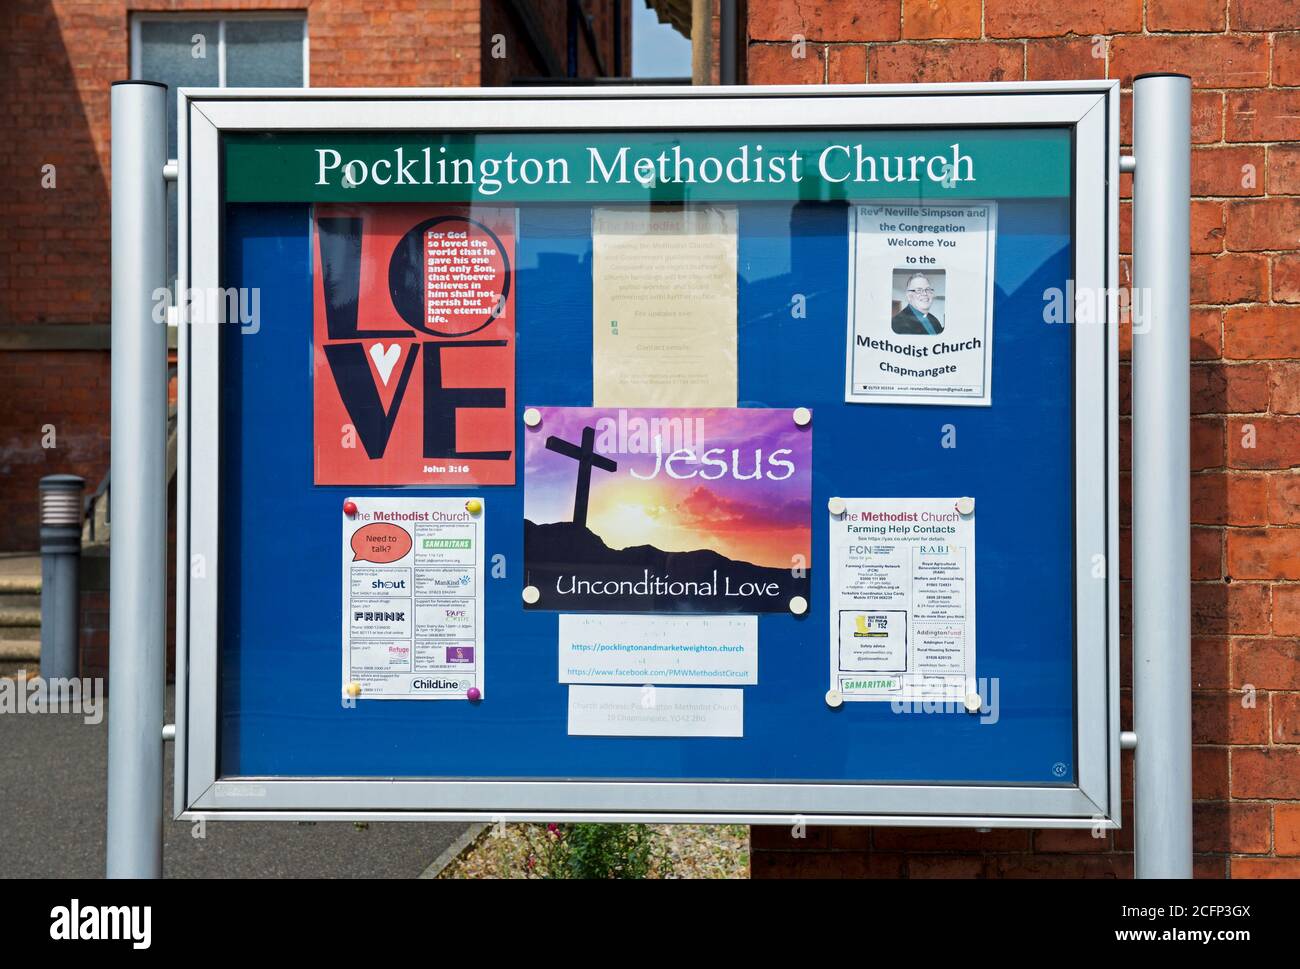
(380, 543)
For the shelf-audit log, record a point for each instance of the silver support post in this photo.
(138, 573)
(1162, 689)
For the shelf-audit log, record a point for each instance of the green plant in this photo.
(597, 851)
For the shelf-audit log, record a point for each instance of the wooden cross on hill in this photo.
(587, 459)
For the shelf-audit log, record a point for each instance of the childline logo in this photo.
(56, 695)
(99, 923)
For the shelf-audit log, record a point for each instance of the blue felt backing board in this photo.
(280, 593)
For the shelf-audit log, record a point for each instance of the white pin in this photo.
(532, 417)
(973, 703)
(965, 506)
(834, 698)
(836, 506)
(531, 594)
(798, 605)
(802, 416)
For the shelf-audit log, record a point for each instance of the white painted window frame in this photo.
(222, 18)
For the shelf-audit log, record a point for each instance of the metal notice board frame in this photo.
(1089, 109)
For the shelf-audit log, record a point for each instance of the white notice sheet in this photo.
(413, 598)
(920, 328)
(655, 711)
(664, 306)
(597, 648)
(902, 622)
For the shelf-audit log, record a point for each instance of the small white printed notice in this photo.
(413, 598)
(655, 711)
(902, 622)
(659, 649)
(920, 328)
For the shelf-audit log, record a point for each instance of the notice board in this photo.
(596, 457)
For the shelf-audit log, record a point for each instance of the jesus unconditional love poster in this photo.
(667, 510)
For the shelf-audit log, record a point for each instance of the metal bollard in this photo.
(61, 496)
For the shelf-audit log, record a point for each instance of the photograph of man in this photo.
(919, 292)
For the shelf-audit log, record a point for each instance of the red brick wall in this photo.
(67, 391)
(94, 633)
(1244, 60)
(53, 261)
(393, 43)
(54, 250)
(58, 58)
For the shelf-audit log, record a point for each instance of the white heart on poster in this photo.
(385, 360)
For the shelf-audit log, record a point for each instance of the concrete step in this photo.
(20, 623)
(19, 616)
(12, 649)
(20, 585)
(20, 608)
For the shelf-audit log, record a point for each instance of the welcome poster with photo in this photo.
(667, 510)
(920, 326)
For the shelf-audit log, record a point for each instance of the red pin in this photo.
(349, 507)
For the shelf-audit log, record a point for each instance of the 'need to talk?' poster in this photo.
(667, 510)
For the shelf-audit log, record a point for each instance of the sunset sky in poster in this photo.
(760, 521)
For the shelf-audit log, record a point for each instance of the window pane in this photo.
(264, 53)
(180, 53)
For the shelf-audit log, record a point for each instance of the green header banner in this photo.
(714, 166)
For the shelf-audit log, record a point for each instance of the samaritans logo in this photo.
(447, 543)
(879, 683)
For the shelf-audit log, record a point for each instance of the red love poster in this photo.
(413, 345)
